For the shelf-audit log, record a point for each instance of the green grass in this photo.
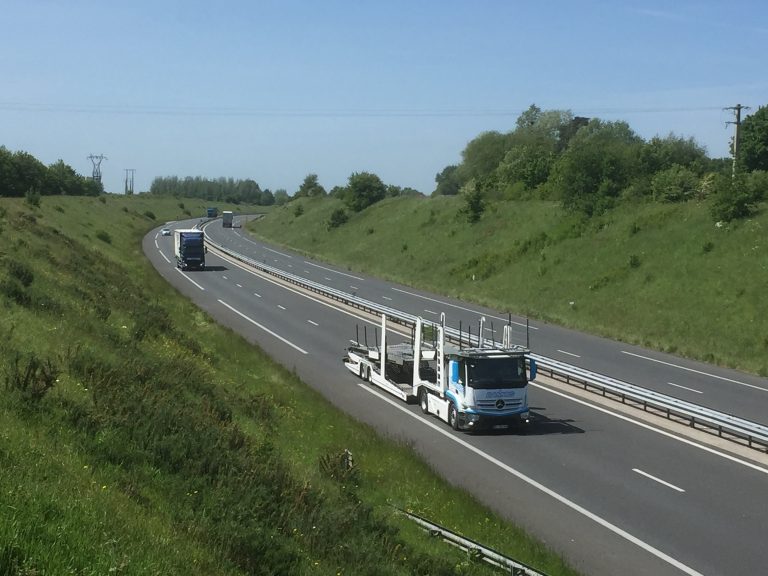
(137, 436)
(658, 275)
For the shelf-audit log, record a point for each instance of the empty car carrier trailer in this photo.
(470, 388)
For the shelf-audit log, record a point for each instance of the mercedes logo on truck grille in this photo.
(499, 403)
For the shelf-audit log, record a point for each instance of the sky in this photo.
(274, 90)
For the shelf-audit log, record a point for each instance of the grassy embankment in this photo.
(139, 437)
(660, 275)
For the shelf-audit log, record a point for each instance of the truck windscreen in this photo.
(494, 373)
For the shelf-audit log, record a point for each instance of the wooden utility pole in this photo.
(737, 123)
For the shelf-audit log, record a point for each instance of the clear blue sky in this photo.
(276, 89)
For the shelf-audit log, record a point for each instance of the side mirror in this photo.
(533, 369)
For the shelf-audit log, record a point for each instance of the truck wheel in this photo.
(423, 400)
(453, 416)
(361, 371)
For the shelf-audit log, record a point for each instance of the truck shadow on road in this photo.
(541, 425)
(216, 268)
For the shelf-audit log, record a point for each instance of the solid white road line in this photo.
(267, 330)
(334, 271)
(695, 371)
(685, 388)
(166, 258)
(313, 323)
(190, 279)
(459, 307)
(659, 480)
(569, 353)
(548, 491)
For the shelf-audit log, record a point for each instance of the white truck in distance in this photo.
(473, 388)
(226, 219)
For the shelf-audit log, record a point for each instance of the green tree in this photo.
(483, 155)
(363, 189)
(337, 218)
(267, 198)
(474, 205)
(310, 187)
(753, 141)
(281, 197)
(62, 179)
(675, 184)
(27, 173)
(601, 160)
(533, 147)
(733, 198)
(448, 181)
(662, 153)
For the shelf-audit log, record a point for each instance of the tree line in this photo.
(590, 165)
(23, 175)
(217, 190)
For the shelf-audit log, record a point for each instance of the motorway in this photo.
(613, 494)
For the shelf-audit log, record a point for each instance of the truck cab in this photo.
(486, 388)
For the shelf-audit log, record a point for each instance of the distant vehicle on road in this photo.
(212, 212)
(226, 218)
(165, 231)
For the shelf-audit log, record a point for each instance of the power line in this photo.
(159, 110)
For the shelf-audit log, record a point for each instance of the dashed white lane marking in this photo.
(430, 312)
(459, 307)
(257, 295)
(267, 330)
(239, 285)
(334, 271)
(281, 307)
(569, 353)
(685, 388)
(313, 323)
(354, 287)
(695, 371)
(386, 298)
(659, 480)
